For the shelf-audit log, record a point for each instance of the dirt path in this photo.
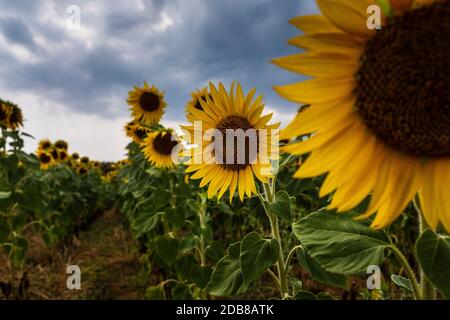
(110, 269)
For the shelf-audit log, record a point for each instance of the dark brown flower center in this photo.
(3, 114)
(403, 91)
(163, 144)
(239, 151)
(141, 133)
(55, 154)
(44, 158)
(149, 101)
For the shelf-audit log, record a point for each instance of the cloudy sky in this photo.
(72, 83)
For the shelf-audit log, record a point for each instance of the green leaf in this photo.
(402, 282)
(227, 278)
(5, 195)
(176, 216)
(320, 274)
(339, 243)
(4, 231)
(188, 267)
(145, 222)
(433, 252)
(154, 293)
(281, 206)
(167, 248)
(257, 255)
(305, 295)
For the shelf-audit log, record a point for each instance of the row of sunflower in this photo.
(371, 138)
(51, 194)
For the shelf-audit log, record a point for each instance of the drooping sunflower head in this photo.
(379, 115)
(45, 159)
(147, 104)
(44, 144)
(236, 141)
(158, 147)
(3, 114)
(10, 115)
(61, 145)
(194, 103)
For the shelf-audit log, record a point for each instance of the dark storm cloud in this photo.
(178, 45)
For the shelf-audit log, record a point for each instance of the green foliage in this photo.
(433, 251)
(339, 243)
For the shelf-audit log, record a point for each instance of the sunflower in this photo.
(136, 131)
(194, 103)
(380, 109)
(84, 160)
(45, 145)
(62, 155)
(147, 104)
(158, 146)
(61, 145)
(45, 159)
(11, 115)
(54, 154)
(236, 166)
(81, 169)
(75, 156)
(3, 114)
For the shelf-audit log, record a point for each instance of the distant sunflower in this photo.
(63, 155)
(75, 156)
(147, 104)
(222, 111)
(11, 115)
(136, 131)
(81, 170)
(194, 103)
(54, 154)
(45, 159)
(61, 145)
(84, 160)
(380, 106)
(3, 114)
(157, 148)
(44, 144)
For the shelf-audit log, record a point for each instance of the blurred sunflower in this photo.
(136, 131)
(54, 154)
(45, 159)
(81, 170)
(75, 156)
(147, 104)
(11, 115)
(61, 145)
(63, 155)
(380, 106)
(3, 114)
(222, 111)
(194, 103)
(44, 144)
(157, 148)
(84, 160)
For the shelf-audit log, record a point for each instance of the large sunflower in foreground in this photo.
(157, 148)
(222, 111)
(147, 104)
(380, 106)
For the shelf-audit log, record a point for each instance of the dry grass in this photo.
(110, 269)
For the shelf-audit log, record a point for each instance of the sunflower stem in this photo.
(428, 291)
(409, 271)
(269, 192)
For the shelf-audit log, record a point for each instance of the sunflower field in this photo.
(349, 201)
